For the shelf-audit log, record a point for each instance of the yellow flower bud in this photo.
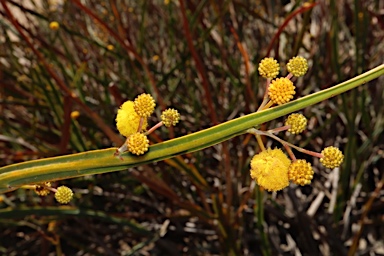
(170, 117)
(54, 25)
(63, 195)
(269, 68)
(281, 90)
(42, 189)
(297, 66)
(298, 123)
(138, 144)
(144, 105)
(300, 172)
(333, 157)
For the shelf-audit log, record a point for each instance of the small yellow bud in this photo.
(269, 68)
(300, 172)
(144, 105)
(333, 157)
(54, 25)
(42, 189)
(270, 169)
(170, 117)
(75, 114)
(63, 195)
(281, 90)
(297, 66)
(298, 123)
(138, 144)
(110, 47)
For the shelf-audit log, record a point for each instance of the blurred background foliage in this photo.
(60, 90)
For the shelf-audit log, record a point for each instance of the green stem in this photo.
(102, 161)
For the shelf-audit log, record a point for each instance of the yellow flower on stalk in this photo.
(269, 68)
(144, 105)
(270, 169)
(281, 90)
(63, 195)
(300, 172)
(138, 144)
(170, 117)
(298, 123)
(297, 66)
(54, 25)
(333, 157)
(127, 120)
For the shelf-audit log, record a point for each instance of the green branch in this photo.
(102, 161)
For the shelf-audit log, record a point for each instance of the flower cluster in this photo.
(63, 194)
(132, 122)
(271, 168)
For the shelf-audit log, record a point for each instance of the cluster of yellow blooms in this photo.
(63, 194)
(271, 168)
(131, 121)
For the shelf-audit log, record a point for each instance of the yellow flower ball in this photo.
(333, 157)
(127, 120)
(297, 66)
(281, 90)
(54, 25)
(270, 169)
(138, 144)
(170, 117)
(269, 68)
(300, 172)
(298, 123)
(63, 195)
(144, 105)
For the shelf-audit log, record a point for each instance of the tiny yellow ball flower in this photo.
(281, 90)
(144, 105)
(298, 123)
(138, 144)
(269, 68)
(110, 47)
(270, 169)
(127, 120)
(333, 157)
(75, 114)
(63, 195)
(300, 172)
(54, 25)
(297, 66)
(170, 117)
(42, 189)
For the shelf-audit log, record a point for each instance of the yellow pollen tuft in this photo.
(144, 105)
(300, 172)
(269, 68)
(127, 120)
(281, 90)
(333, 157)
(63, 195)
(297, 66)
(170, 117)
(270, 169)
(138, 144)
(298, 123)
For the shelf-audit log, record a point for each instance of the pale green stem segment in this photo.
(102, 161)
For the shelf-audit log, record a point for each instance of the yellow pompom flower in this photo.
(42, 189)
(298, 123)
(127, 120)
(300, 172)
(63, 195)
(170, 117)
(144, 105)
(270, 169)
(281, 90)
(54, 25)
(297, 66)
(138, 144)
(269, 68)
(333, 157)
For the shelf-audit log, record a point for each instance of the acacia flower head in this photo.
(300, 172)
(298, 123)
(269, 68)
(138, 143)
(127, 120)
(63, 195)
(297, 66)
(270, 169)
(332, 157)
(281, 90)
(144, 105)
(42, 189)
(54, 25)
(170, 117)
